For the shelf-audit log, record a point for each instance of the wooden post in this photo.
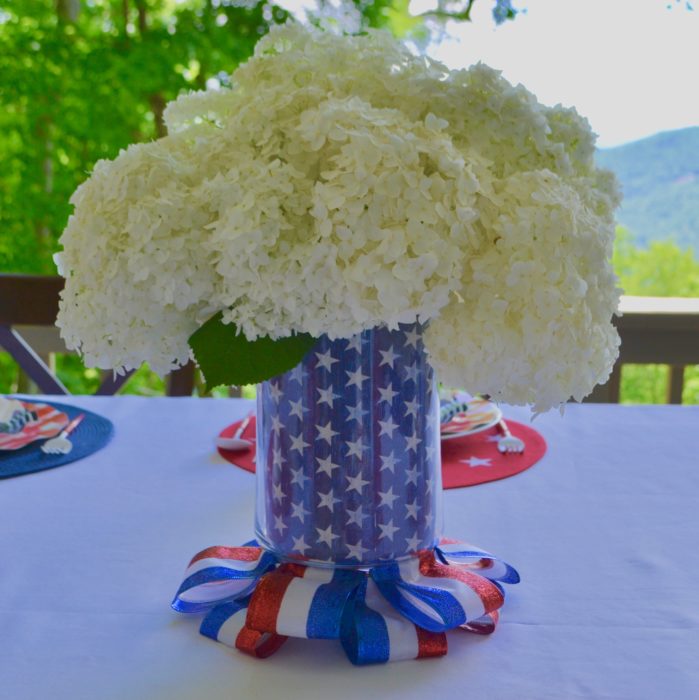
(181, 381)
(675, 384)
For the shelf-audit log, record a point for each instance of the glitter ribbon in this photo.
(391, 612)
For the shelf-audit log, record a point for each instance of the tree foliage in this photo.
(82, 80)
(661, 270)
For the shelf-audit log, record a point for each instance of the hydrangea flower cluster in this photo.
(342, 183)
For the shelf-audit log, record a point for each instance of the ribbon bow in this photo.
(395, 611)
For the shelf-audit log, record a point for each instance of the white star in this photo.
(388, 462)
(326, 432)
(356, 483)
(411, 337)
(387, 427)
(432, 452)
(387, 394)
(326, 465)
(412, 442)
(327, 500)
(355, 516)
(299, 477)
(355, 448)
(412, 372)
(412, 509)
(277, 456)
(326, 535)
(356, 412)
(413, 542)
(275, 391)
(276, 424)
(297, 443)
(300, 545)
(278, 492)
(387, 357)
(432, 419)
(412, 407)
(279, 524)
(387, 498)
(327, 396)
(297, 408)
(355, 343)
(477, 461)
(356, 551)
(325, 360)
(356, 378)
(298, 511)
(388, 530)
(411, 476)
(297, 374)
(428, 486)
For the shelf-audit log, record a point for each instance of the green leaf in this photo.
(226, 356)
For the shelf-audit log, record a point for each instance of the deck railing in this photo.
(654, 330)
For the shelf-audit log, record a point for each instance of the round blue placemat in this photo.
(93, 433)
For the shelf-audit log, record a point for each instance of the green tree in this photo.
(80, 81)
(661, 270)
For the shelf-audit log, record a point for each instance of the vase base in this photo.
(254, 601)
(349, 564)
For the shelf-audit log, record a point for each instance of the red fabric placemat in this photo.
(466, 461)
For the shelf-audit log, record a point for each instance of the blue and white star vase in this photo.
(348, 516)
(348, 458)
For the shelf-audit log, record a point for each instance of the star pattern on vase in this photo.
(348, 450)
(326, 360)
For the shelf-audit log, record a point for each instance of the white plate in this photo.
(480, 415)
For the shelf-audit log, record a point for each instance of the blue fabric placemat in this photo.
(93, 433)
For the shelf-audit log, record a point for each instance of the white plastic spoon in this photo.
(236, 442)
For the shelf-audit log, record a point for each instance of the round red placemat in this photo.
(466, 461)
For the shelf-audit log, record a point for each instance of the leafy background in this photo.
(82, 79)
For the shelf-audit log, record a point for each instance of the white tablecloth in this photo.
(603, 531)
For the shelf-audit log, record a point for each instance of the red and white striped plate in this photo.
(50, 421)
(480, 415)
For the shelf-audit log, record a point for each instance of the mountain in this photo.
(660, 179)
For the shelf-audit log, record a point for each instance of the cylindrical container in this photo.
(348, 452)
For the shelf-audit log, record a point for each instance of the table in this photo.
(603, 531)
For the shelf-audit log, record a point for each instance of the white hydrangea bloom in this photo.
(343, 183)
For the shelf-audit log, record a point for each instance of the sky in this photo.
(630, 66)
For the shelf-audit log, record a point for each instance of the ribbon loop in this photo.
(374, 632)
(226, 624)
(305, 604)
(219, 574)
(479, 561)
(435, 596)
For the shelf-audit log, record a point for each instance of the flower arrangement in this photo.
(343, 183)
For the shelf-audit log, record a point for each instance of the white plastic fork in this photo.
(236, 442)
(508, 442)
(61, 445)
